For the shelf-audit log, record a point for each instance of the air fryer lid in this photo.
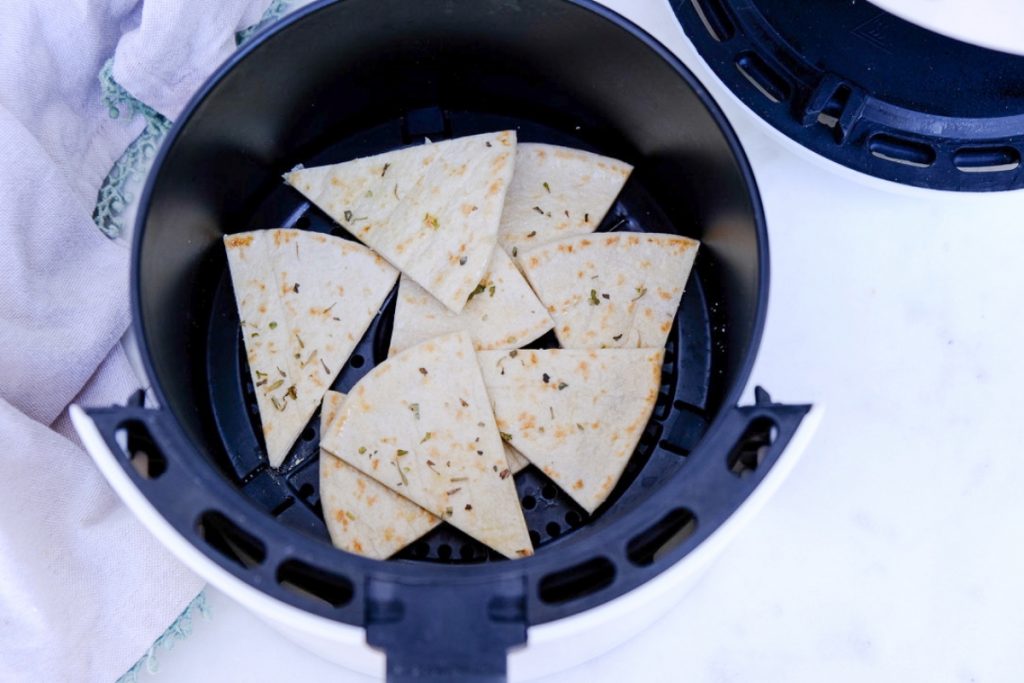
(339, 80)
(869, 90)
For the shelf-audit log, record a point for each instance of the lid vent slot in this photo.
(766, 79)
(986, 160)
(715, 19)
(900, 151)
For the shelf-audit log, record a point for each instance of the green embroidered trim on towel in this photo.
(179, 630)
(276, 10)
(119, 188)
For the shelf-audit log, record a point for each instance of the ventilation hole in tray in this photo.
(315, 583)
(549, 491)
(305, 491)
(529, 502)
(230, 540)
(467, 552)
(444, 551)
(303, 222)
(900, 151)
(667, 533)
(573, 518)
(752, 447)
(716, 21)
(421, 549)
(986, 160)
(145, 457)
(357, 361)
(308, 434)
(534, 538)
(577, 581)
(763, 77)
(554, 529)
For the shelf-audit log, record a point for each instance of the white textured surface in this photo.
(893, 553)
(991, 23)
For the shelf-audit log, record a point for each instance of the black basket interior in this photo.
(291, 493)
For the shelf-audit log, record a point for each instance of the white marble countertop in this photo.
(894, 552)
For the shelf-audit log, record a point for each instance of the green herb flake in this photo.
(283, 373)
(547, 187)
(504, 473)
(386, 167)
(276, 385)
(532, 233)
(463, 402)
(415, 408)
(579, 426)
(562, 385)
(301, 344)
(515, 252)
(617, 337)
(546, 377)
(505, 436)
(640, 291)
(426, 437)
(431, 221)
(468, 506)
(295, 288)
(423, 371)
(260, 374)
(586, 218)
(400, 452)
(405, 480)
(490, 291)
(362, 449)
(513, 353)
(350, 515)
(292, 393)
(453, 491)
(261, 382)
(277, 404)
(463, 260)
(347, 214)
(594, 301)
(273, 325)
(456, 480)
(326, 369)
(448, 512)
(605, 296)
(480, 288)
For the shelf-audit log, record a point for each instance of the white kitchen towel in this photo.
(87, 90)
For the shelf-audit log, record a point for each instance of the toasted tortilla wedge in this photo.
(421, 424)
(575, 414)
(432, 211)
(363, 516)
(557, 192)
(304, 300)
(611, 290)
(502, 312)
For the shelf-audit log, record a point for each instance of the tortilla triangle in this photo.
(432, 211)
(421, 424)
(611, 290)
(502, 312)
(363, 516)
(575, 414)
(557, 192)
(304, 300)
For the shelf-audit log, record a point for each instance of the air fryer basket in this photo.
(345, 79)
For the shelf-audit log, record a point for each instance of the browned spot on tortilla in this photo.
(334, 181)
(609, 241)
(389, 534)
(645, 264)
(585, 243)
(534, 261)
(648, 312)
(584, 369)
(341, 517)
(561, 432)
(371, 500)
(319, 238)
(667, 296)
(633, 240)
(565, 248)
(666, 326)
(607, 484)
(283, 237)
(578, 485)
(467, 209)
(357, 546)
(361, 484)
(429, 347)
(267, 428)
(552, 308)
(505, 138)
(494, 188)
(239, 241)
(263, 308)
(337, 464)
(551, 472)
(541, 154)
(527, 421)
(376, 465)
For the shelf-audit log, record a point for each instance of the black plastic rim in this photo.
(868, 90)
(725, 430)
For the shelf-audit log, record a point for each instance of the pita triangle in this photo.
(557, 192)
(362, 515)
(611, 290)
(577, 415)
(421, 424)
(304, 300)
(432, 211)
(502, 312)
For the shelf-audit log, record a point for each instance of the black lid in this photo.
(869, 90)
